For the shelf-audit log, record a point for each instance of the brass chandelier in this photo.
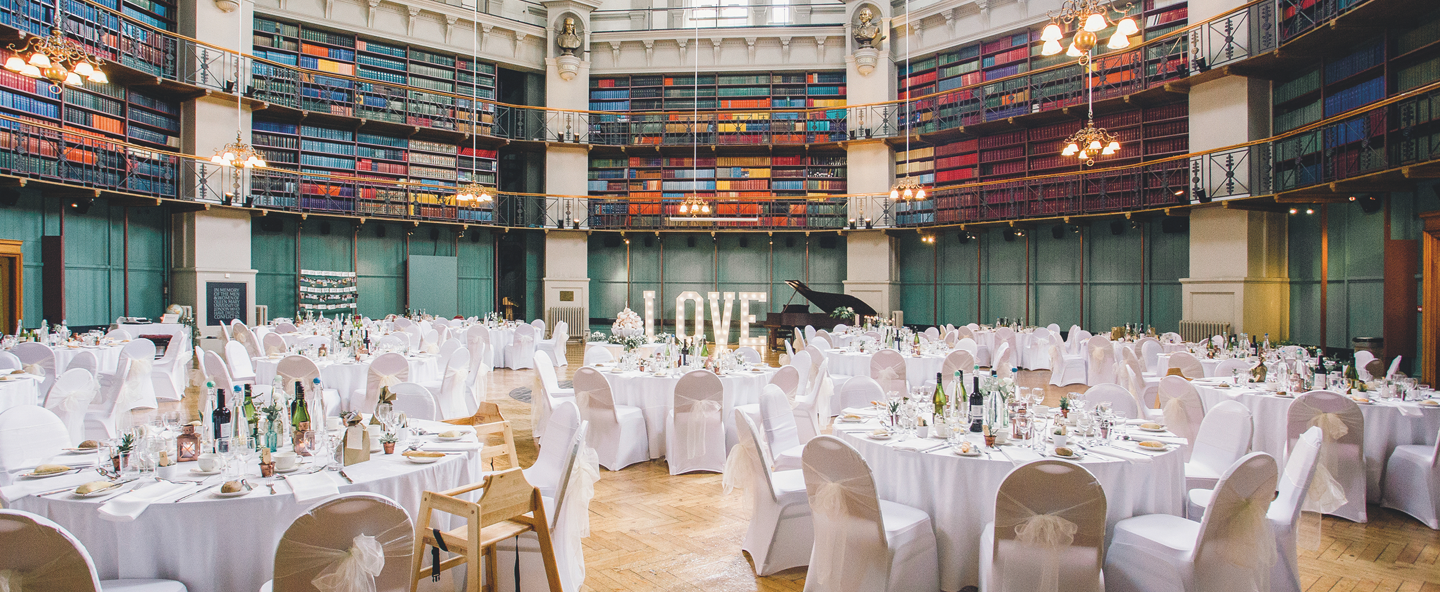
(474, 191)
(694, 205)
(238, 154)
(1092, 17)
(56, 58)
(907, 188)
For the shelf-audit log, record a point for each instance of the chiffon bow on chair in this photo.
(694, 432)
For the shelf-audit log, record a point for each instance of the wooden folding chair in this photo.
(508, 507)
(493, 431)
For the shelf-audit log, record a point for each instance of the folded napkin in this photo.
(458, 446)
(25, 487)
(915, 444)
(1409, 409)
(313, 486)
(129, 506)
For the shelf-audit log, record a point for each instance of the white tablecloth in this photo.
(19, 389)
(107, 357)
(1385, 427)
(917, 370)
(655, 396)
(959, 493)
(616, 349)
(1162, 364)
(226, 545)
(349, 377)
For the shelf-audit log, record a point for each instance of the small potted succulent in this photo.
(388, 440)
(1065, 407)
(1059, 436)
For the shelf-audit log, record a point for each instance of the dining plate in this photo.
(878, 436)
(72, 471)
(423, 460)
(241, 493)
(1156, 430)
(197, 471)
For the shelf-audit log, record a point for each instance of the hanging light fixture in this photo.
(694, 205)
(474, 191)
(1092, 16)
(56, 58)
(908, 188)
(239, 154)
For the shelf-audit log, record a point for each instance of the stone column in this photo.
(870, 161)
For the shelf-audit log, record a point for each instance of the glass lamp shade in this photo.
(1114, 146)
(920, 193)
(1095, 22)
(1127, 27)
(15, 64)
(894, 194)
(909, 193)
(705, 208)
(73, 79)
(1070, 150)
(684, 208)
(99, 77)
(84, 68)
(1052, 33)
(1118, 41)
(1094, 145)
(1051, 47)
(1074, 52)
(39, 60)
(32, 71)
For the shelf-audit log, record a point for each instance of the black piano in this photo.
(799, 315)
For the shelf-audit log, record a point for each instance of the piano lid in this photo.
(829, 301)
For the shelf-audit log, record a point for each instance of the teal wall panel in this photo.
(1355, 282)
(477, 272)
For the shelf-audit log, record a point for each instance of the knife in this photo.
(194, 493)
(347, 477)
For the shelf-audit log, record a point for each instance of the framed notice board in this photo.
(224, 301)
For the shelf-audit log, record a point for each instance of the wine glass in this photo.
(225, 449)
(171, 420)
(245, 451)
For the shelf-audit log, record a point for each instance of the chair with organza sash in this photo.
(452, 391)
(887, 367)
(1222, 437)
(780, 534)
(353, 542)
(617, 432)
(70, 398)
(1049, 528)
(545, 473)
(694, 430)
(1187, 364)
(386, 370)
(238, 359)
(415, 401)
(30, 435)
(38, 555)
(38, 359)
(1339, 487)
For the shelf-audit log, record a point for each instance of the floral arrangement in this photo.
(843, 313)
(629, 342)
(597, 337)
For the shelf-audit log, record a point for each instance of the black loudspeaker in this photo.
(1057, 231)
(271, 224)
(434, 234)
(9, 196)
(744, 242)
(827, 242)
(612, 241)
(475, 237)
(324, 228)
(963, 237)
(649, 241)
(1370, 204)
(790, 241)
(380, 231)
(690, 241)
(1117, 227)
(1175, 225)
(1010, 236)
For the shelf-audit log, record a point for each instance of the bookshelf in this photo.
(109, 110)
(736, 109)
(950, 90)
(326, 150)
(411, 85)
(648, 189)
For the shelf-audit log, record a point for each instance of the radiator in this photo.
(262, 315)
(574, 316)
(1193, 331)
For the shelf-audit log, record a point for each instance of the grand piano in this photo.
(799, 315)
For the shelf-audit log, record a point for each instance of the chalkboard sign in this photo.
(224, 301)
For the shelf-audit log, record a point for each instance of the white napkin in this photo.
(1122, 453)
(129, 506)
(862, 411)
(313, 486)
(915, 444)
(24, 487)
(459, 446)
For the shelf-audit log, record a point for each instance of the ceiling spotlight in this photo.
(1294, 211)
(1309, 210)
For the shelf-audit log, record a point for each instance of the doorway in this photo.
(12, 284)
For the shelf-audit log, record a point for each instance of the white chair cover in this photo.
(1182, 409)
(539, 325)
(386, 370)
(862, 543)
(1065, 369)
(887, 367)
(38, 359)
(136, 389)
(86, 360)
(274, 344)
(859, 391)
(1049, 528)
(121, 334)
(430, 341)
(1412, 482)
(555, 452)
(30, 435)
(1285, 512)
(1394, 367)
(780, 534)
(694, 432)
(453, 395)
(1004, 362)
(805, 365)
(747, 353)
(9, 361)
(597, 355)
(286, 327)
(1101, 361)
(355, 542)
(1232, 549)
(393, 341)
(415, 401)
(37, 555)
(1122, 403)
(1339, 485)
(812, 410)
(521, 352)
(216, 370)
(540, 407)
(449, 347)
(1362, 359)
(70, 398)
(246, 338)
(788, 379)
(957, 361)
(1188, 365)
(781, 434)
(1227, 368)
(617, 432)
(1149, 353)
(968, 344)
(477, 340)
(1036, 355)
(1074, 338)
(569, 514)
(1223, 437)
(238, 359)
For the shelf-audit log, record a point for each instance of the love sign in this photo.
(721, 306)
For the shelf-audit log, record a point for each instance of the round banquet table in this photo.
(959, 492)
(500, 339)
(107, 357)
(917, 369)
(19, 389)
(616, 349)
(655, 396)
(1387, 424)
(1162, 364)
(225, 545)
(349, 377)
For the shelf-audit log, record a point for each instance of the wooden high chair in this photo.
(508, 507)
(488, 421)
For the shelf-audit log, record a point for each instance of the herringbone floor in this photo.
(652, 531)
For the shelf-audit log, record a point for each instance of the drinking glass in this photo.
(245, 451)
(225, 449)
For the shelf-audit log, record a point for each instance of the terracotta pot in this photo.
(267, 469)
(389, 447)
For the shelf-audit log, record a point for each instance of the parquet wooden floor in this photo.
(652, 531)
